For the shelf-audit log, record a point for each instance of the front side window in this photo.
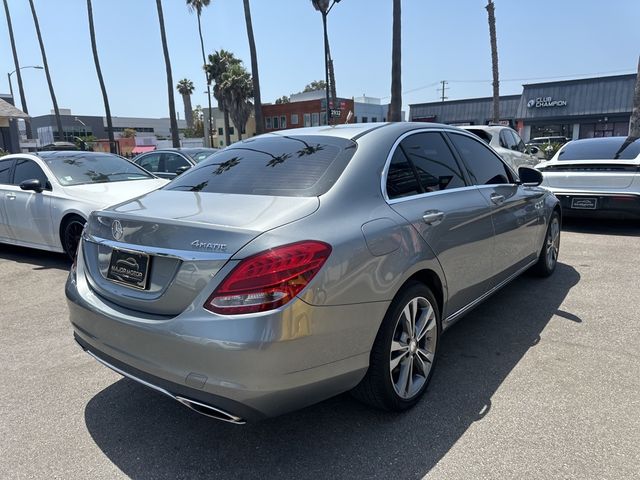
(173, 162)
(484, 167)
(82, 168)
(28, 170)
(292, 166)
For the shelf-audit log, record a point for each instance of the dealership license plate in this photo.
(129, 268)
(584, 203)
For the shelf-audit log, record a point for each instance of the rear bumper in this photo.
(249, 366)
(610, 205)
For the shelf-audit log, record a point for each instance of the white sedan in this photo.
(596, 177)
(45, 198)
(507, 143)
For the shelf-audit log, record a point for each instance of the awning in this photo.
(143, 149)
(9, 111)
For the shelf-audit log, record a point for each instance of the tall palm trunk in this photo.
(175, 134)
(204, 63)
(227, 125)
(188, 110)
(56, 110)
(395, 107)
(254, 70)
(16, 62)
(494, 60)
(634, 121)
(103, 89)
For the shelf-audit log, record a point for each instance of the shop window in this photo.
(276, 123)
(315, 119)
(294, 119)
(283, 121)
(268, 123)
(307, 119)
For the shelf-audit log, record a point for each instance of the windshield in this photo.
(294, 166)
(613, 148)
(82, 168)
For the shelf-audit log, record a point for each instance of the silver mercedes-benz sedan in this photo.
(297, 265)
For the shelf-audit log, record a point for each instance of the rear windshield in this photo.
(81, 168)
(292, 166)
(483, 134)
(614, 148)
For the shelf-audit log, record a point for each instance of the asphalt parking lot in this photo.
(541, 381)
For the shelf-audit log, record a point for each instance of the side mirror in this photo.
(182, 169)
(529, 177)
(32, 184)
(533, 150)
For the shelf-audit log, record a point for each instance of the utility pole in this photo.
(443, 89)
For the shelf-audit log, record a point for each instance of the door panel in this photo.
(29, 217)
(460, 234)
(5, 172)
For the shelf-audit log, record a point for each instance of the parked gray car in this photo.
(297, 265)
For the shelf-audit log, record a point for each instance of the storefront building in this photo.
(583, 108)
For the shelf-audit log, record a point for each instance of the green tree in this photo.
(198, 6)
(56, 110)
(315, 85)
(103, 89)
(128, 133)
(219, 62)
(175, 134)
(198, 123)
(257, 101)
(494, 60)
(282, 99)
(395, 107)
(185, 88)
(237, 86)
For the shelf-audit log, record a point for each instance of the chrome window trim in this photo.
(184, 255)
(385, 170)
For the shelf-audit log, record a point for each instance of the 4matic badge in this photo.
(214, 247)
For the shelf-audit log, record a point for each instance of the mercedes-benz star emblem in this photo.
(117, 230)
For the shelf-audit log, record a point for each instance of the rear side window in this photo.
(294, 166)
(402, 180)
(5, 170)
(484, 167)
(150, 162)
(433, 161)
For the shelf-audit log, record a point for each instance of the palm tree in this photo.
(175, 136)
(494, 60)
(197, 6)
(257, 102)
(16, 62)
(185, 88)
(238, 89)
(105, 98)
(395, 107)
(219, 63)
(46, 71)
(634, 121)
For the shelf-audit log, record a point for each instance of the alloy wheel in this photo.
(72, 234)
(553, 243)
(413, 347)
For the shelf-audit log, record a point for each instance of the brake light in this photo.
(268, 279)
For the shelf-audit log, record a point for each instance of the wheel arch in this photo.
(63, 222)
(431, 279)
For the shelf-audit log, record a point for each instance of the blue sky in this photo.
(442, 40)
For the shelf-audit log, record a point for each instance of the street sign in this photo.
(336, 113)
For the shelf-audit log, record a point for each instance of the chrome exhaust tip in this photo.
(209, 411)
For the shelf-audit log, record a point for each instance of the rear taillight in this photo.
(268, 279)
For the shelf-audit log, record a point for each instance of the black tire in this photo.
(548, 258)
(70, 233)
(379, 386)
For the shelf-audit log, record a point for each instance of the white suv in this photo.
(507, 143)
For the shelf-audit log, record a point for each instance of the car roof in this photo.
(68, 154)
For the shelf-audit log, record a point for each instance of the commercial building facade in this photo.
(581, 108)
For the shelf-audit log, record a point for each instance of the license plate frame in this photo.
(584, 203)
(129, 268)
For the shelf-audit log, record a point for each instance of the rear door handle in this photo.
(11, 196)
(432, 217)
(497, 199)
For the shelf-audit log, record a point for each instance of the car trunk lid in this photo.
(590, 174)
(174, 242)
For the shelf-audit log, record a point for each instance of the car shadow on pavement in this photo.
(40, 259)
(147, 435)
(630, 228)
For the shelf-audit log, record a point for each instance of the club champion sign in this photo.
(544, 102)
